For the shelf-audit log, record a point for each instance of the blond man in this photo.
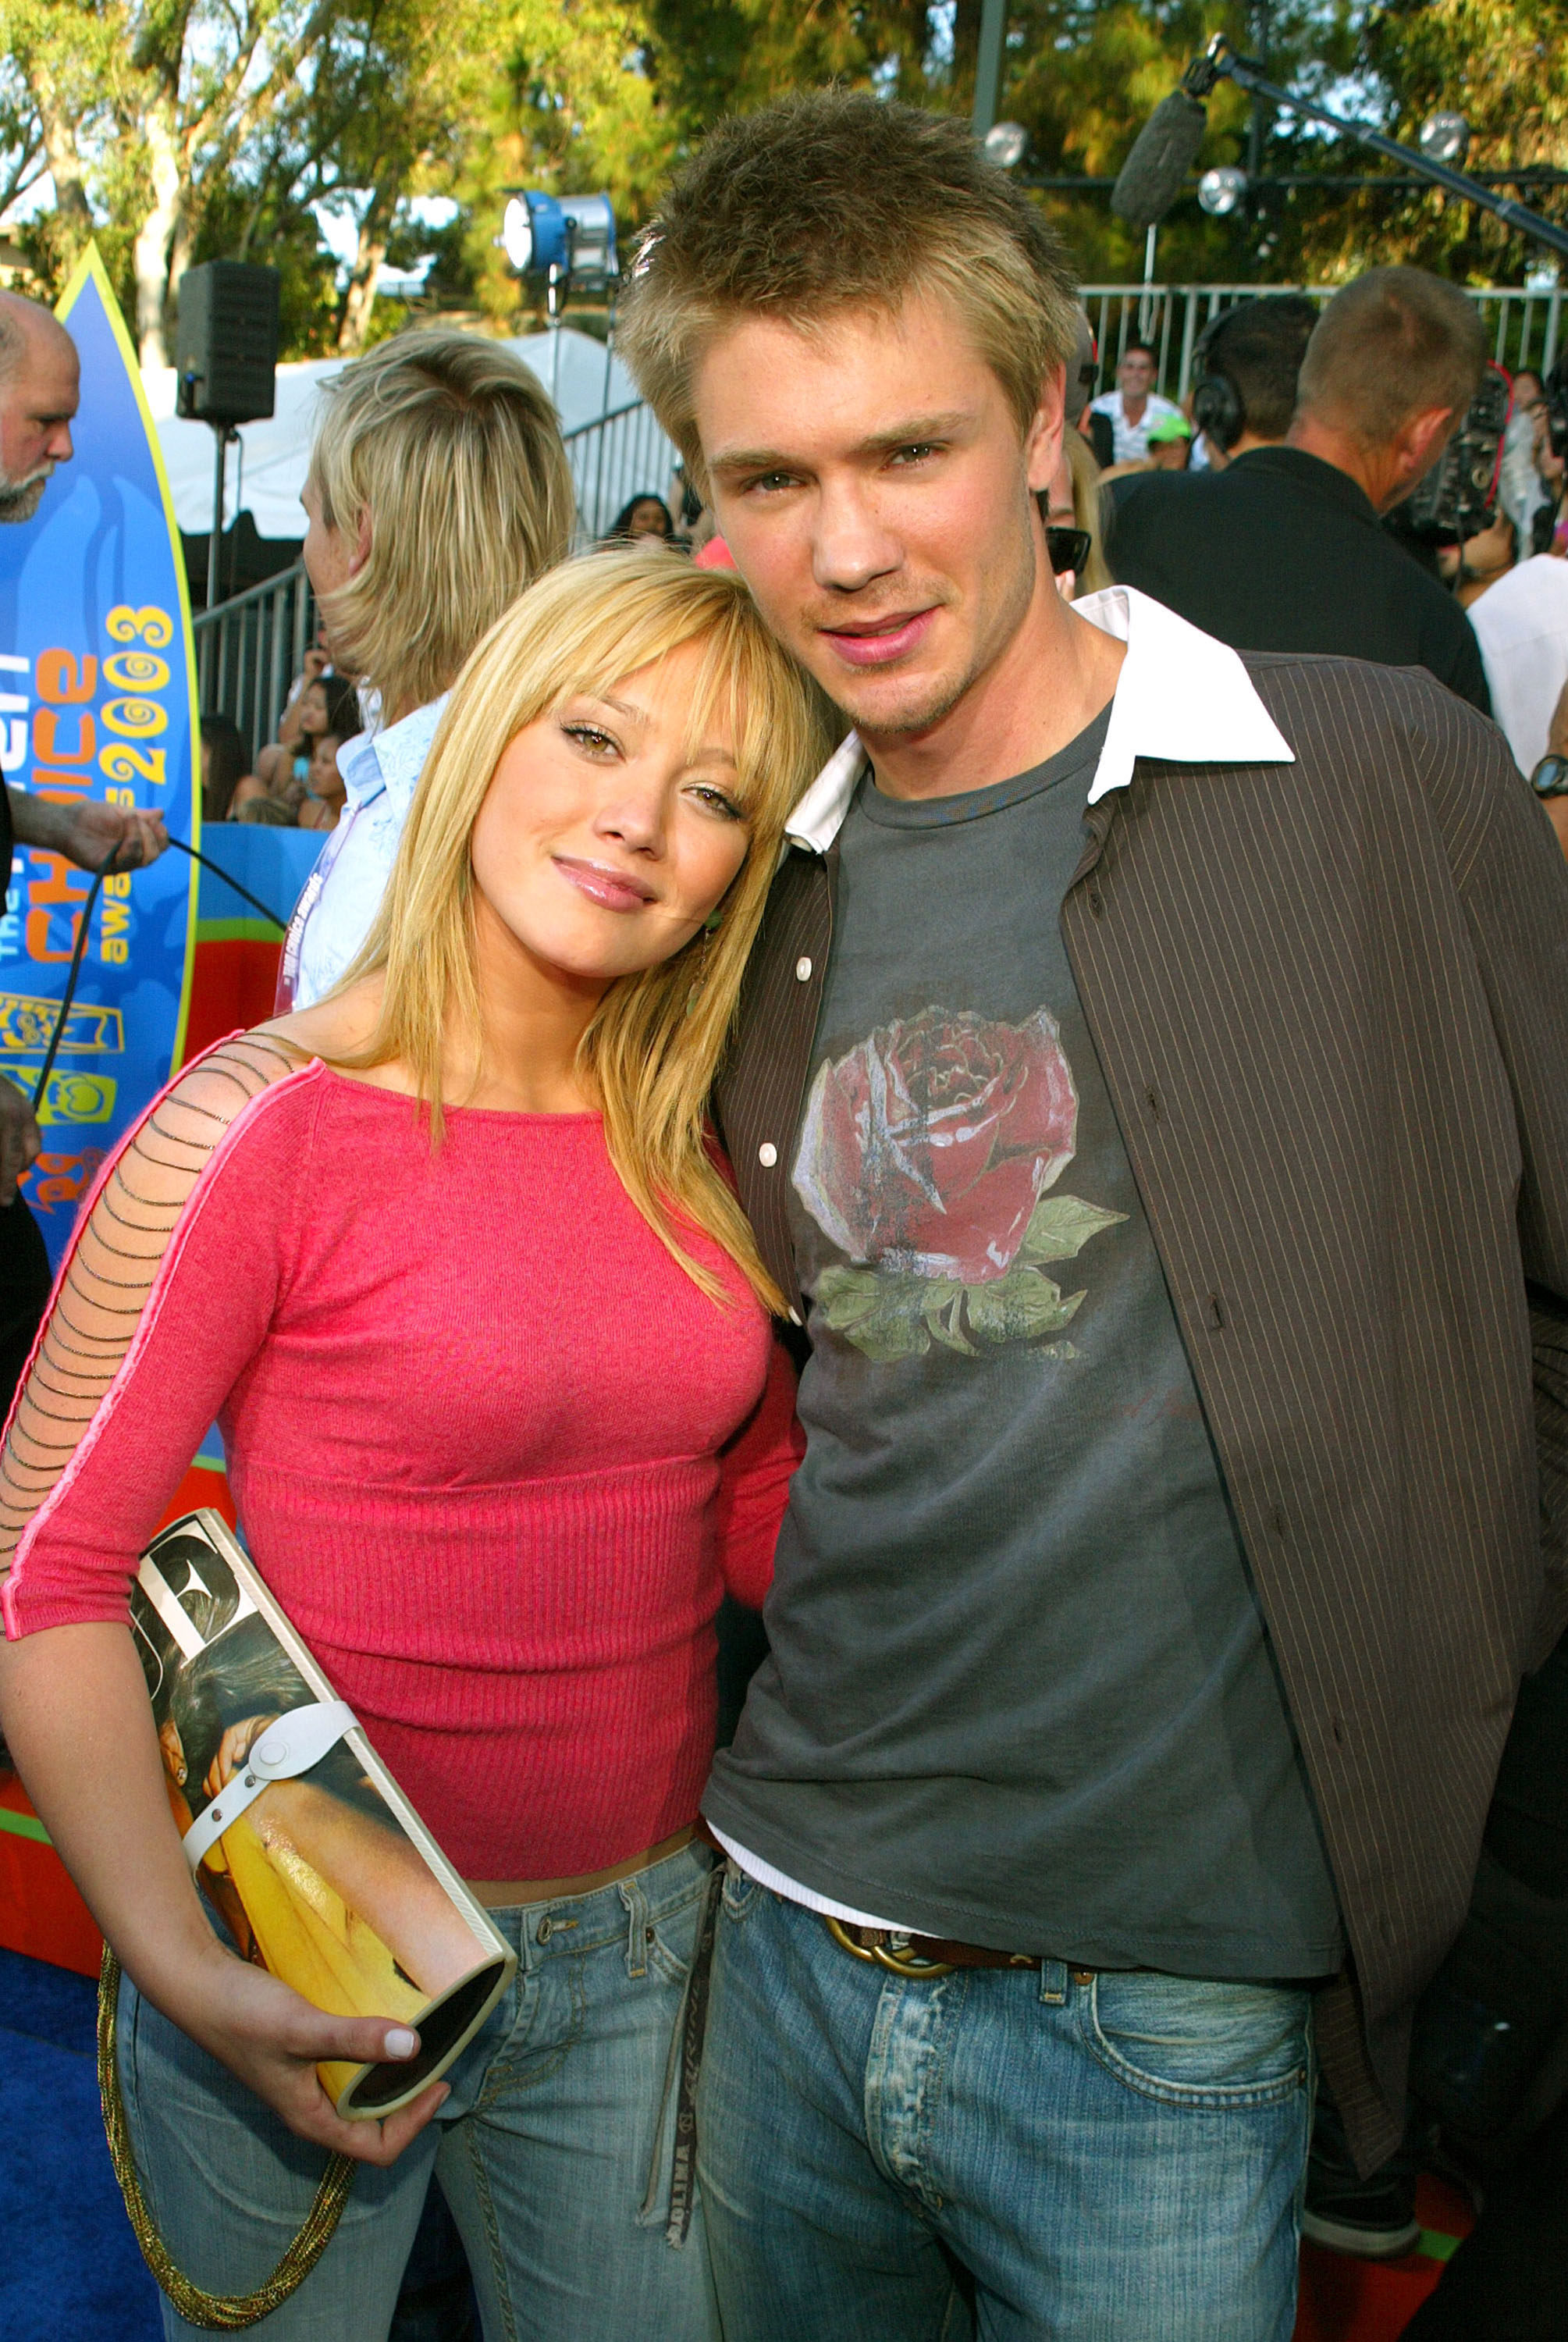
(438, 489)
(1150, 1097)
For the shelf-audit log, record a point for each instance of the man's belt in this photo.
(902, 1954)
(928, 1956)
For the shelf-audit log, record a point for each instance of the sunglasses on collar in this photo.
(1068, 548)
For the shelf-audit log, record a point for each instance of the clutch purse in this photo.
(319, 1867)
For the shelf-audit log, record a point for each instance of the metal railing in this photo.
(1524, 323)
(618, 455)
(249, 650)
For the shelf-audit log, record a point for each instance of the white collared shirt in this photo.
(1521, 625)
(1130, 441)
(1180, 697)
(342, 893)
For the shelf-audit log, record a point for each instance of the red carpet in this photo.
(1373, 2301)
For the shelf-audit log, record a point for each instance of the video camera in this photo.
(1555, 390)
(1458, 497)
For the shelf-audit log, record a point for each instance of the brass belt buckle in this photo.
(896, 1963)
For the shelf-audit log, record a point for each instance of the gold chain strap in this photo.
(222, 2311)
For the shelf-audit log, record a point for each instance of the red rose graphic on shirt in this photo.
(925, 1150)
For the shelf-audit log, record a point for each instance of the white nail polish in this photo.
(400, 2042)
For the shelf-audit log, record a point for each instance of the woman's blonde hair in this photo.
(654, 1046)
(452, 447)
(1084, 474)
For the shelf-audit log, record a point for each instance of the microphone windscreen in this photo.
(1163, 154)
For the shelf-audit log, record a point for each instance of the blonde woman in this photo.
(438, 489)
(1073, 503)
(452, 1260)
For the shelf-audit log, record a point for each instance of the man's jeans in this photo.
(1116, 2157)
(554, 2150)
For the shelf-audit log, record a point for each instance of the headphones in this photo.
(1217, 408)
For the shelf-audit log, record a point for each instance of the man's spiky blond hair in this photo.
(835, 201)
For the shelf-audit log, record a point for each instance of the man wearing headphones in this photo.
(1327, 425)
(1244, 371)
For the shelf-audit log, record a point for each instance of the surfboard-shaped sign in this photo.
(98, 698)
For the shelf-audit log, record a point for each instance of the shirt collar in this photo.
(1180, 697)
(390, 761)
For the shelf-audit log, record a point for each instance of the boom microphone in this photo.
(1163, 154)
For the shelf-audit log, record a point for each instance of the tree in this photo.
(398, 88)
(149, 105)
(1084, 74)
(185, 129)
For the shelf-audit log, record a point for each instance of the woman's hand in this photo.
(272, 2040)
(232, 1750)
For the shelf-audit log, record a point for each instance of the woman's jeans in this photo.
(556, 2150)
(1116, 2157)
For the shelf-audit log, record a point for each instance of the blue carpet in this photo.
(70, 2270)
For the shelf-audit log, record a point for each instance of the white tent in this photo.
(266, 473)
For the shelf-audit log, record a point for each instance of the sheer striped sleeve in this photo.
(114, 1260)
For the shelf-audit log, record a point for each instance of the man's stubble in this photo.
(1003, 621)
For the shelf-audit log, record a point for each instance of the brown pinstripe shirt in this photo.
(1330, 999)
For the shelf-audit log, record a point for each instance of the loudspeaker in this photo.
(227, 346)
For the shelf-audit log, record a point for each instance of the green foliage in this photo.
(179, 130)
(246, 222)
(1089, 72)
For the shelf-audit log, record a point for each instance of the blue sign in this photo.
(97, 699)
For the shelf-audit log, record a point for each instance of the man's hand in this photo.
(19, 1139)
(88, 833)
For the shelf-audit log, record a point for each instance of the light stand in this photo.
(556, 281)
(988, 63)
(1220, 61)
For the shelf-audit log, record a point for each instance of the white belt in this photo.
(290, 1745)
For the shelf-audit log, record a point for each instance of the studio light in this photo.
(572, 236)
(1444, 138)
(1220, 191)
(1006, 144)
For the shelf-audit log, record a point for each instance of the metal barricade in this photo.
(1523, 322)
(249, 651)
(618, 455)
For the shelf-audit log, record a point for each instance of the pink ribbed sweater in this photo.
(494, 1452)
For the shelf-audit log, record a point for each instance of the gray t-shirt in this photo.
(1020, 1690)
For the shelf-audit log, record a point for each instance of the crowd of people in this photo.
(979, 1069)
